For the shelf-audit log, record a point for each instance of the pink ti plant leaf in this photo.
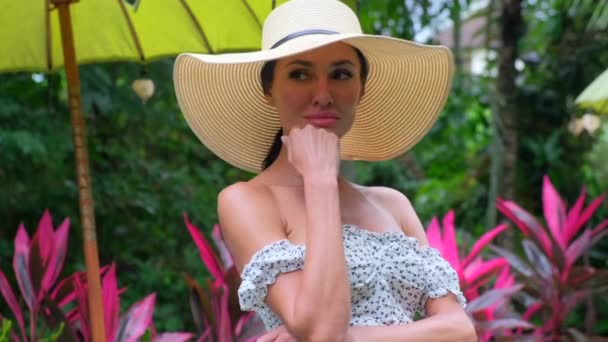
(573, 215)
(172, 337)
(208, 255)
(526, 223)
(224, 330)
(530, 311)
(205, 336)
(506, 324)
(575, 250)
(433, 234)
(41, 248)
(449, 240)
(538, 261)
(482, 272)
(80, 289)
(586, 215)
(242, 322)
(11, 300)
(64, 292)
(444, 240)
(555, 212)
(111, 302)
(598, 230)
(514, 261)
(57, 257)
(491, 297)
(580, 275)
(21, 265)
(225, 256)
(483, 241)
(136, 321)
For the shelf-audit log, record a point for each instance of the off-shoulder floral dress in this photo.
(391, 276)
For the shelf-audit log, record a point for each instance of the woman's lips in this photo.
(323, 120)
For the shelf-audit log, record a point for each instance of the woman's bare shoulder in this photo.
(249, 219)
(401, 208)
(385, 195)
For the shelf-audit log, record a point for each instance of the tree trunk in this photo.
(505, 145)
(455, 10)
(510, 31)
(496, 148)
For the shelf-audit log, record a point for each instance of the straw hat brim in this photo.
(222, 99)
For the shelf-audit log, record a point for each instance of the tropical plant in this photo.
(5, 329)
(131, 326)
(216, 310)
(37, 264)
(488, 306)
(555, 281)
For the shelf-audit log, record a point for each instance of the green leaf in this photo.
(6, 329)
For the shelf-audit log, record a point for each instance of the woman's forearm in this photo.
(438, 328)
(323, 303)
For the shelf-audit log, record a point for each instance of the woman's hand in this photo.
(280, 334)
(313, 152)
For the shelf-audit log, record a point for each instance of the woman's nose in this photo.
(322, 95)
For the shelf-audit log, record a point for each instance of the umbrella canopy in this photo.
(595, 96)
(136, 30)
(45, 35)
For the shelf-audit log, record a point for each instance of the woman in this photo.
(323, 259)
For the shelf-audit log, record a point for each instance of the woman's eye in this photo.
(298, 75)
(342, 74)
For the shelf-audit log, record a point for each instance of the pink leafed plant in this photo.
(129, 327)
(488, 309)
(216, 309)
(37, 263)
(552, 273)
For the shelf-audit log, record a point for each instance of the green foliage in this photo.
(563, 53)
(5, 330)
(53, 335)
(147, 169)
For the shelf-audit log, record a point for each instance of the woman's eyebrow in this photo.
(301, 62)
(310, 64)
(342, 62)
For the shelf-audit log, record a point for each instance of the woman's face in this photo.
(321, 87)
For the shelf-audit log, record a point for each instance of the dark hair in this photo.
(267, 75)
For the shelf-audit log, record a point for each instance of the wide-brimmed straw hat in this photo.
(222, 99)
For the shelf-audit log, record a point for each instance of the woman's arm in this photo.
(446, 319)
(323, 298)
(313, 303)
(448, 323)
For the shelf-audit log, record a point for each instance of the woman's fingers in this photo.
(313, 150)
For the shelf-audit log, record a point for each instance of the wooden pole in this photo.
(85, 193)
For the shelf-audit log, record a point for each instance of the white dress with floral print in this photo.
(391, 276)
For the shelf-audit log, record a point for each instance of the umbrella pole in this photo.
(82, 173)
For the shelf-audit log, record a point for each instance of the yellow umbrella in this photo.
(595, 96)
(44, 35)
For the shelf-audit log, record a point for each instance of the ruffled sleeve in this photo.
(263, 270)
(440, 278)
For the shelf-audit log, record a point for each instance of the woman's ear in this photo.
(361, 93)
(269, 98)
